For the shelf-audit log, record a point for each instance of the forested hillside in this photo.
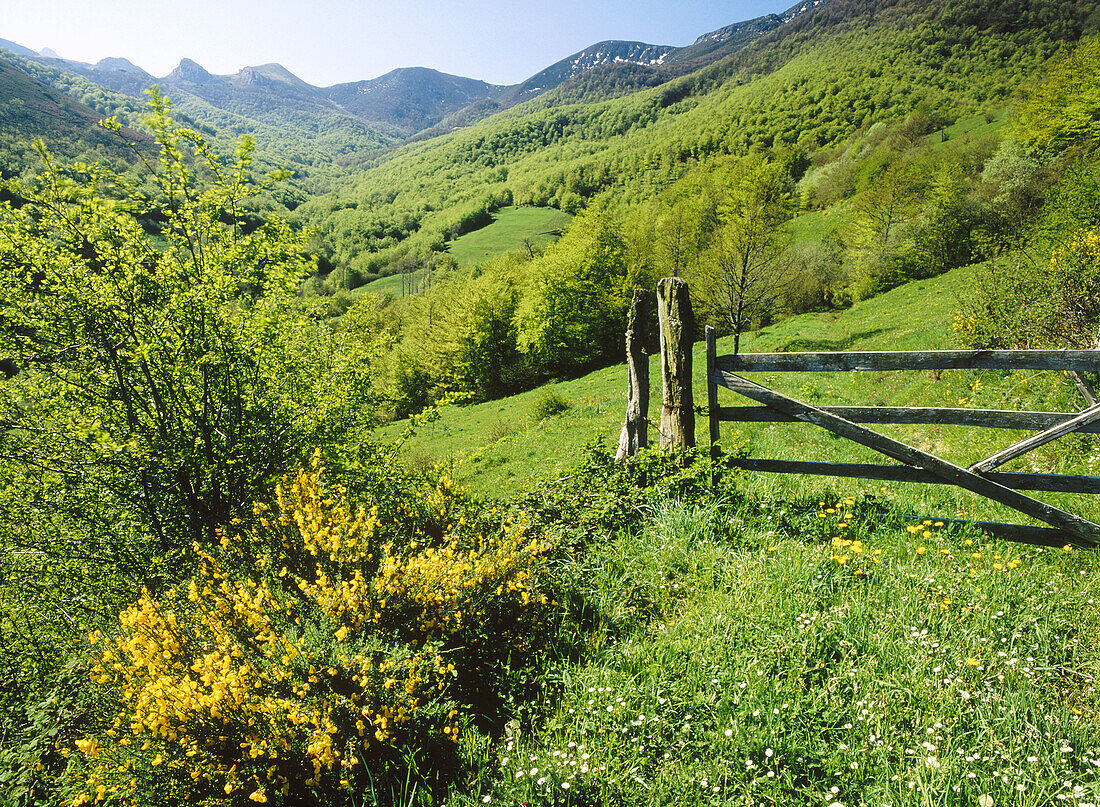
(864, 135)
(812, 83)
(32, 109)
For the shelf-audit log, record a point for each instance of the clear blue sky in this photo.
(326, 42)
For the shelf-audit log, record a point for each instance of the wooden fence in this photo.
(917, 465)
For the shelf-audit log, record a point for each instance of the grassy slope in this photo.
(511, 228)
(392, 284)
(791, 642)
(746, 653)
(496, 446)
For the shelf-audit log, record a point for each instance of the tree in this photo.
(1064, 106)
(164, 368)
(889, 201)
(573, 312)
(746, 271)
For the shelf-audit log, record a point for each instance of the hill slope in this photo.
(32, 109)
(814, 82)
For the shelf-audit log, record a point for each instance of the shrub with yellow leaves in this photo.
(306, 657)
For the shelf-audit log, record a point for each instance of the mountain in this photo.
(804, 84)
(410, 98)
(406, 102)
(294, 123)
(413, 100)
(267, 91)
(611, 52)
(32, 110)
(16, 48)
(614, 68)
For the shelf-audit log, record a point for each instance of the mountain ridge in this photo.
(415, 101)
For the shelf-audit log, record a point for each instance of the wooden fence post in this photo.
(635, 433)
(712, 390)
(677, 326)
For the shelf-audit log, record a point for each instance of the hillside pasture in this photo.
(499, 447)
(512, 229)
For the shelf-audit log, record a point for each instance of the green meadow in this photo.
(512, 230)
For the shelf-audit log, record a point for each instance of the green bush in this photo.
(548, 404)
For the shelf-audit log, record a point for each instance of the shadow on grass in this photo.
(840, 343)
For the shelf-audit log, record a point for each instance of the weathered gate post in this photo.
(635, 433)
(677, 325)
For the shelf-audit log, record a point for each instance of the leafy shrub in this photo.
(549, 403)
(1051, 303)
(304, 661)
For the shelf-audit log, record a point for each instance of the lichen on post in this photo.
(635, 433)
(677, 327)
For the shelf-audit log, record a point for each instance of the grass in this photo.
(512, 229)
(789, 656)
(967, 129)
(797, 640)
(394, 285)
(811, 228)
(918, 315)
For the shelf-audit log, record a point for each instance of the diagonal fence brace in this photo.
(1042, 438)
(1078, 527)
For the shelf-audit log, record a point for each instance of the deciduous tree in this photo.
(746, 272)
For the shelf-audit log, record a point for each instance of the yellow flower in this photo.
(258, 795)
(972, 662)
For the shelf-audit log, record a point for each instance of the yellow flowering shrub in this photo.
(1038, 304)
(305, 656)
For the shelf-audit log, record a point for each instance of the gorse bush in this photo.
(159, 368)
(315, 656)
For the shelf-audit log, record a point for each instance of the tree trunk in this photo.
(677, 329)
(635, 433)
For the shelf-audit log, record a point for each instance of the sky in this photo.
(326, 42)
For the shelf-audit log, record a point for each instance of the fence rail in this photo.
(838, 362)
(917, 465)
